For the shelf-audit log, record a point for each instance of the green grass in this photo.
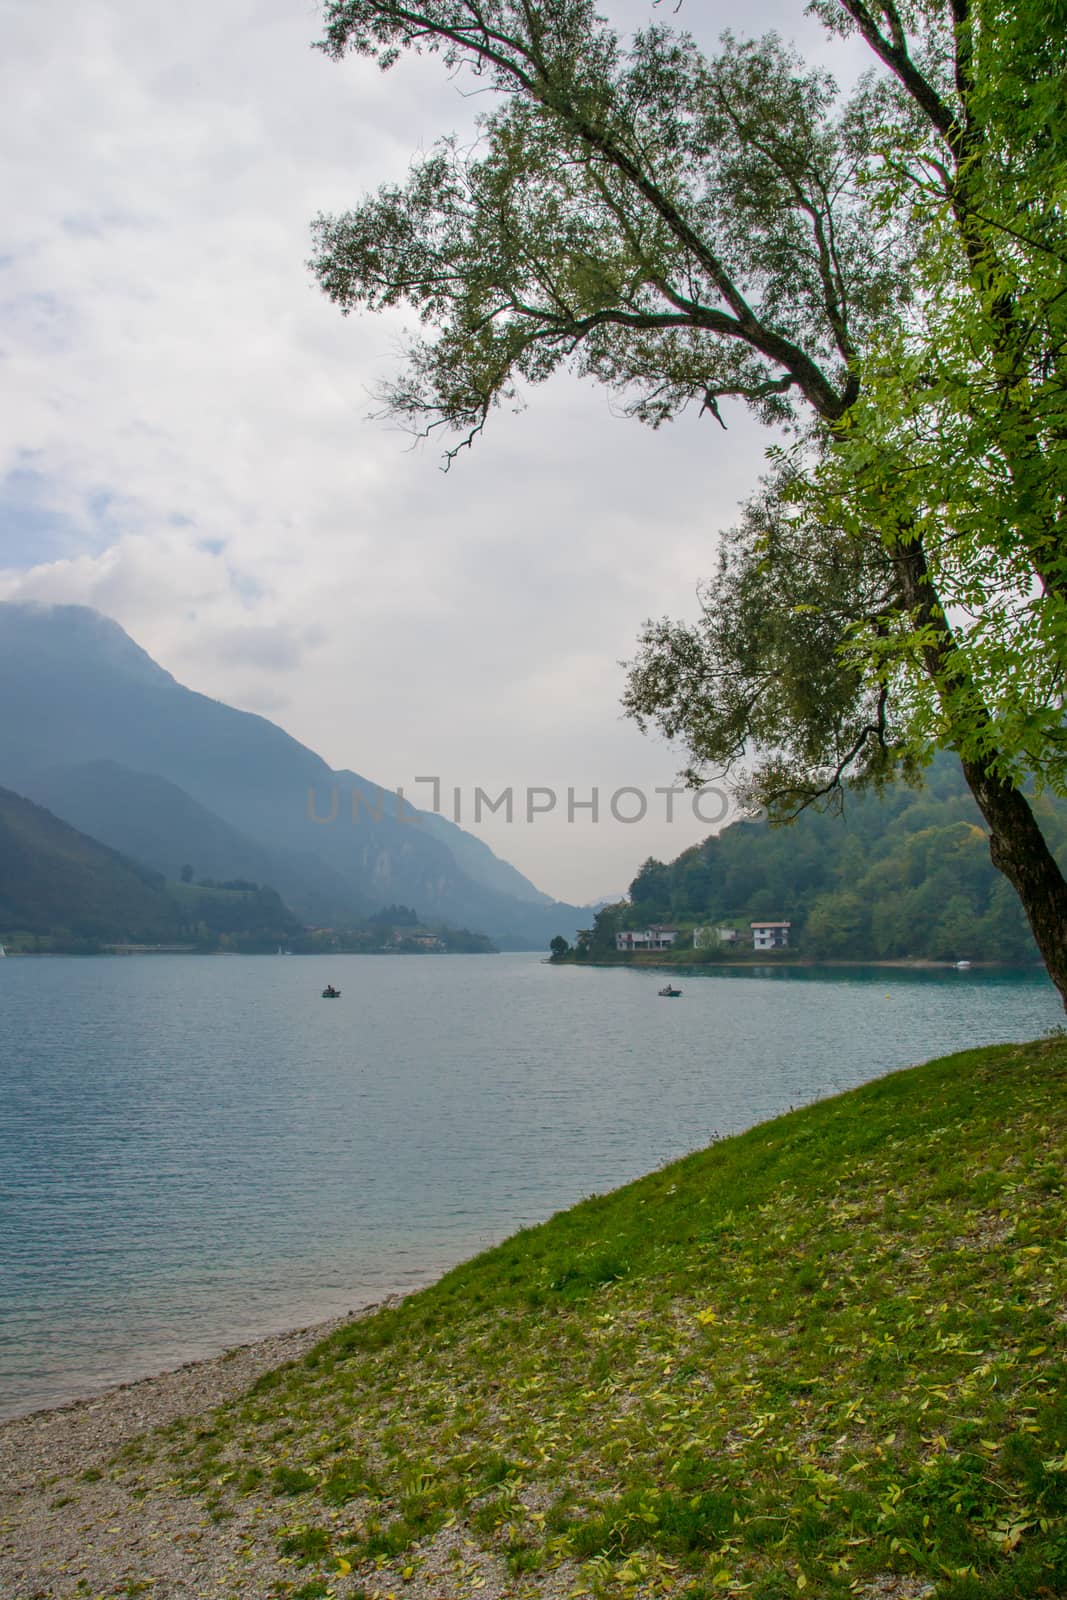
(825, 1357)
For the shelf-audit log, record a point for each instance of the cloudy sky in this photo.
(186, 443)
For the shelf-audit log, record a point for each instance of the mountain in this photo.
(65, 888)
(155, 822)
(476, 859)
(88, 720)
(54, 879)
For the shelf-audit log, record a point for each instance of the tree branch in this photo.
(897, 58)
(808, 797)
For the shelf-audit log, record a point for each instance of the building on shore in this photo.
(654, 938)
(770, 935)
(709, 938)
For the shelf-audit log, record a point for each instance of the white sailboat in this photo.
(3, 952)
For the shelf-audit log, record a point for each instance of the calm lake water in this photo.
(198, 1150)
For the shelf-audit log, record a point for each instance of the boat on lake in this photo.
(961, 966)
(668, 993)
(330, 993)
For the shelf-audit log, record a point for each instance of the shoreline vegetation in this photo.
(700, 961)
(194, 950)
(395, 930)
(826, 1356)
(900, 875)
(681, 960)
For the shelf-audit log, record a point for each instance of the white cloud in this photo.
(193, 414)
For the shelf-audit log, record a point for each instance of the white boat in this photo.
(3, 952)
(961, 966)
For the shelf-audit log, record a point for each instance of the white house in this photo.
(770, 935)
(654, 938)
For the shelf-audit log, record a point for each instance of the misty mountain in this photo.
(54, 878)
(157, 823)
(63, 887)
(475, 858)
(79, 700)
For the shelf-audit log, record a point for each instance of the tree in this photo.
(606, 924)
(883, 274)
(187, 873)
(559, 947)
(394, 917)
(650, 892)
(837, 924)
(678, 228)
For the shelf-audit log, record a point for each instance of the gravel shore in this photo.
(85, 1434)
(72, 1524)
(79, 1520)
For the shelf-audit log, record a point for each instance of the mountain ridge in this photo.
(75, 691)
(61, 889)
(53, 876)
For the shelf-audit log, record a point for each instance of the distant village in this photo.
(764, 935)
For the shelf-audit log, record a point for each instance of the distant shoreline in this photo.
(769, 958)
(125, 952)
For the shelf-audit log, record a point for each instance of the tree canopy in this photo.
(881, 275)
(679, 228)
(905, 873)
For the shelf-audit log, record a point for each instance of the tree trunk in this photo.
(1018, 850)
(1016, 844)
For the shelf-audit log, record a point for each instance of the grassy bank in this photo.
(826, 1357)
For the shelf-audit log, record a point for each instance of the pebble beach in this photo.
(80, 1522)
(73, 1523)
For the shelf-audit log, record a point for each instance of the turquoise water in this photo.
(198, 1150)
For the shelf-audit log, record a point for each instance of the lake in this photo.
(195, 1151)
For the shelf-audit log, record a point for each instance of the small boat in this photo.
(330, 993)
(668, 993)
(961, 966)
(3, 952)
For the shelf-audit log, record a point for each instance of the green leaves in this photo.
(677, 227)
(769, 683)
(884, 275)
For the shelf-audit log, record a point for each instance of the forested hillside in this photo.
(55, 881)
(904, 874)
(61, 889)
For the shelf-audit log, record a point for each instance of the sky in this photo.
(187, 442)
